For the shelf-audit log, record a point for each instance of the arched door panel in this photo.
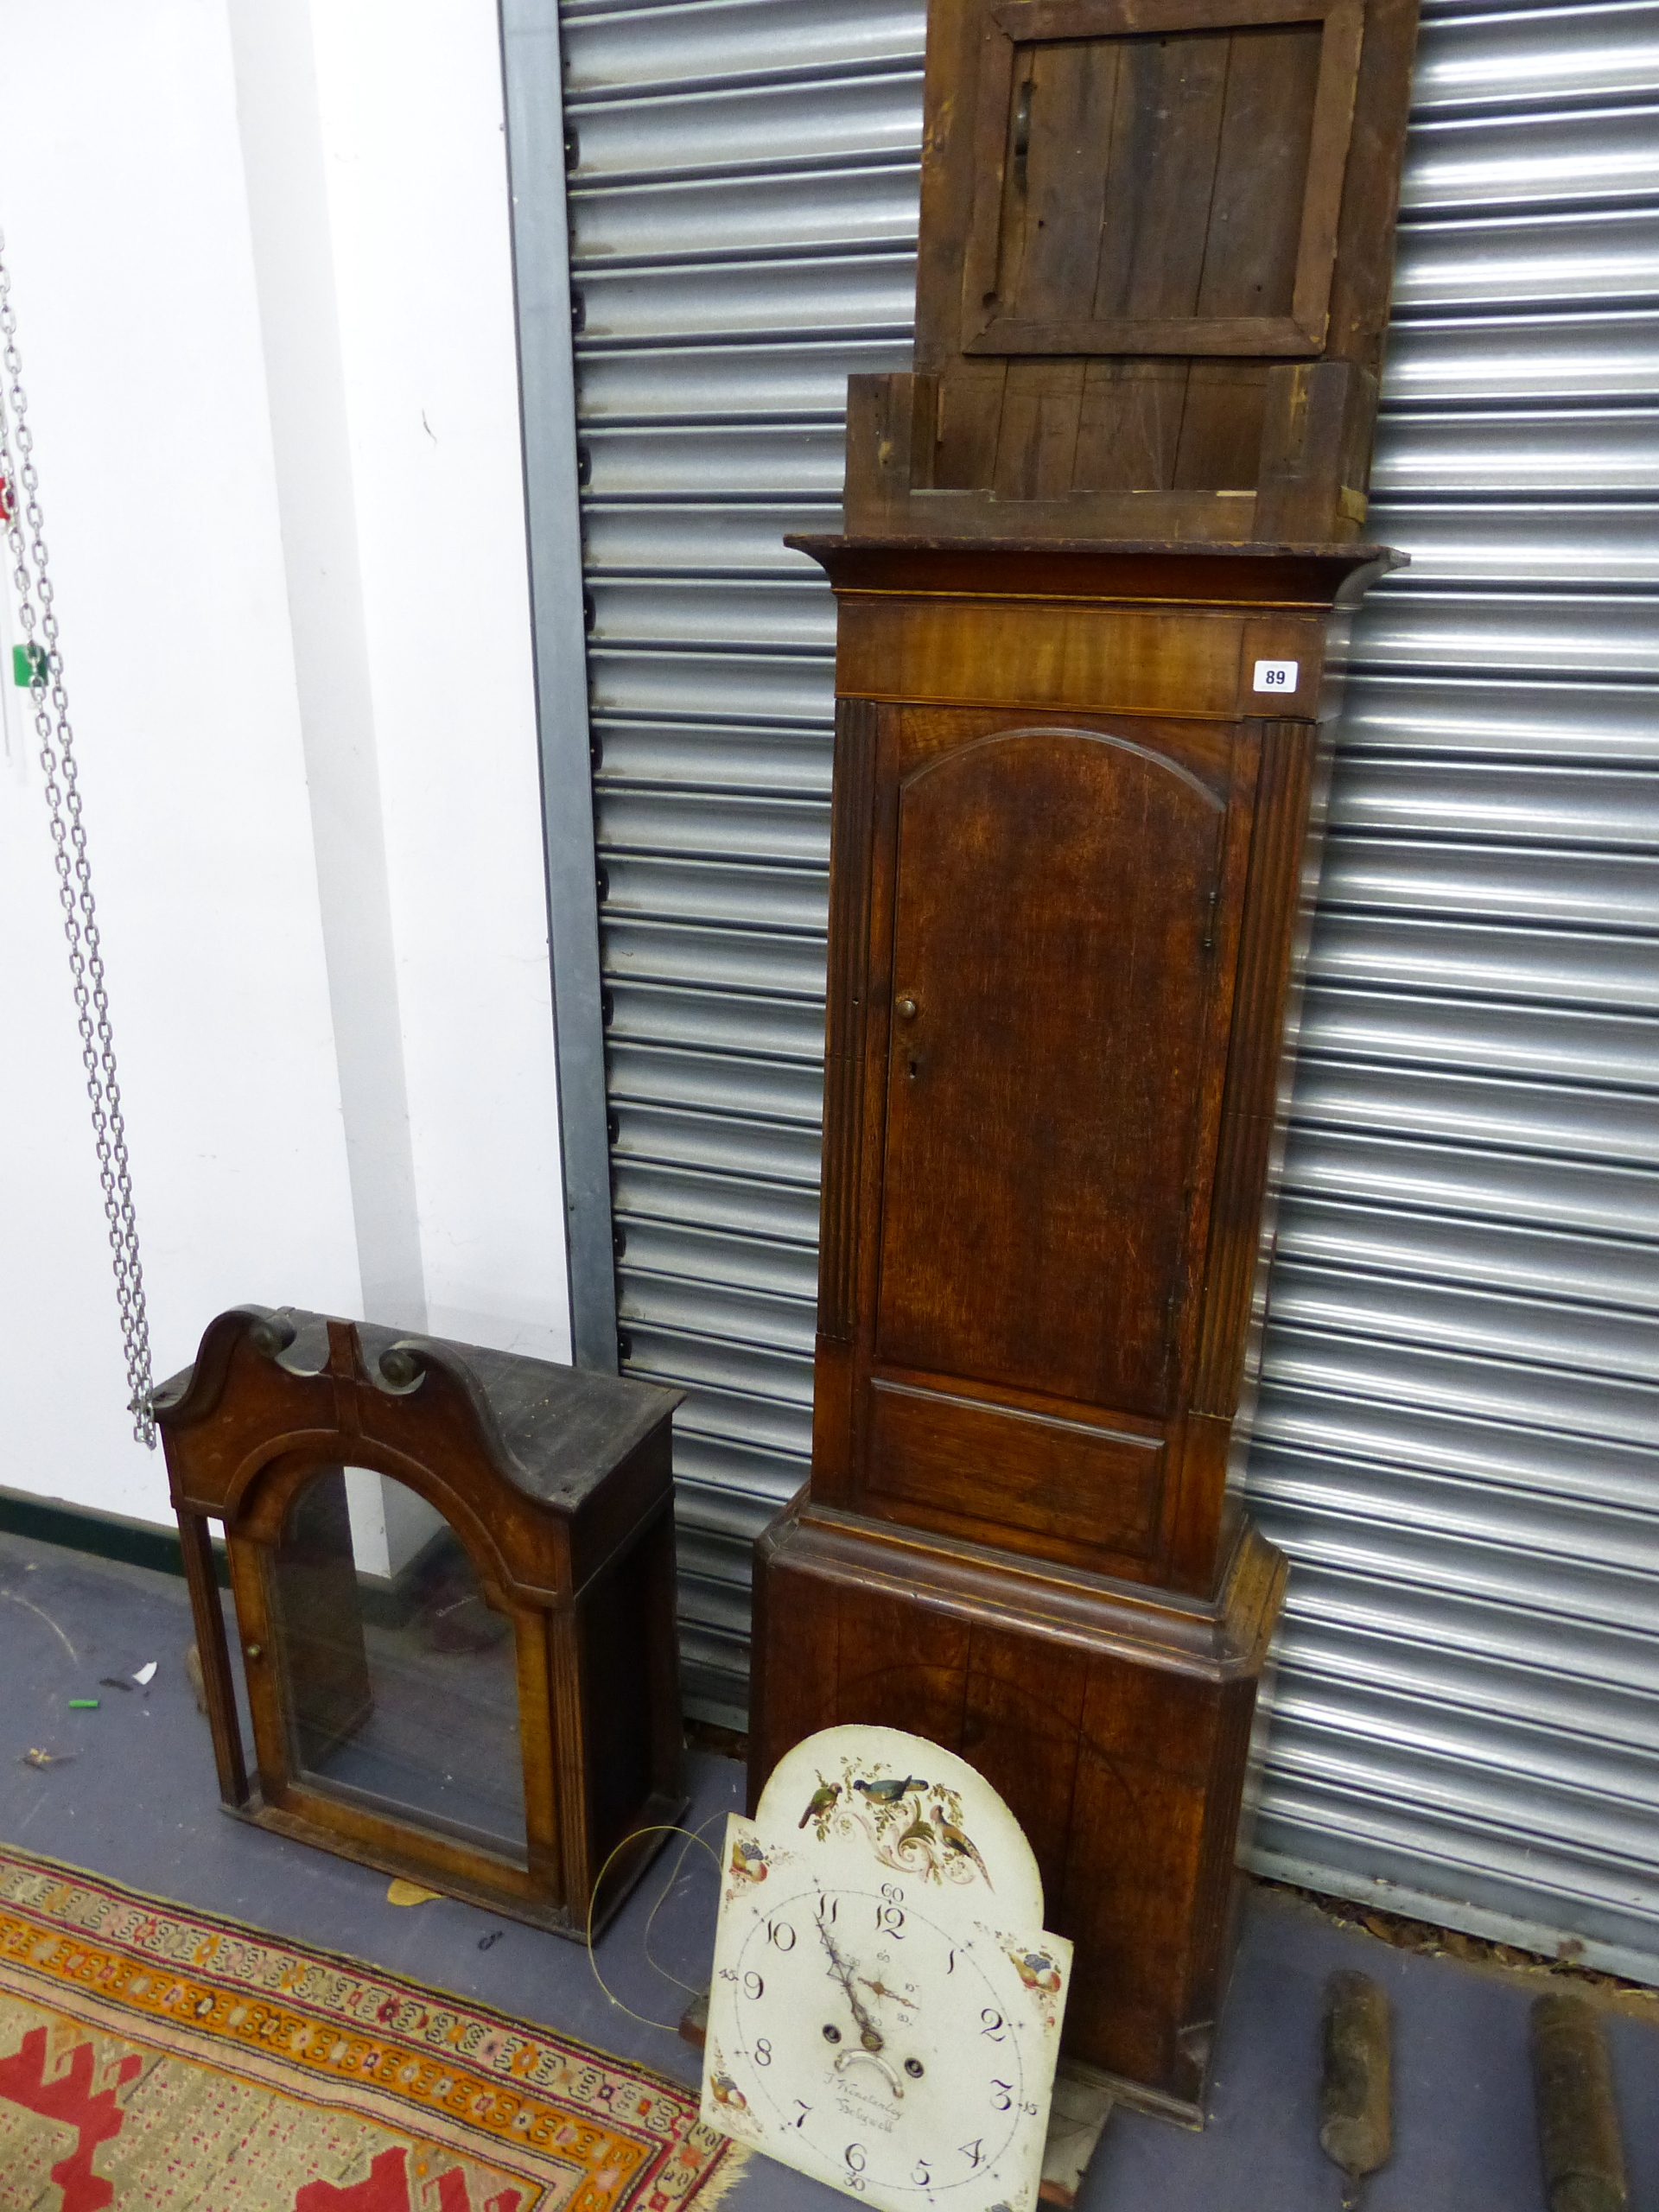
(1054, 909)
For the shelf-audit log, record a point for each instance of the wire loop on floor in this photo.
(692, 1835)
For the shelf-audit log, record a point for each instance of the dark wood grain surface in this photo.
(1063, 931)
(1135, 218)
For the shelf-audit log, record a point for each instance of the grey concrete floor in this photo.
(138, 1802)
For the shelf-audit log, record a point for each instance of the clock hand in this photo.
(870, 2035)
(879, 1989)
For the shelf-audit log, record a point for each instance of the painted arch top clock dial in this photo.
(886, 2008)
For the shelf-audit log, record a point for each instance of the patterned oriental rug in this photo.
(156, 2059)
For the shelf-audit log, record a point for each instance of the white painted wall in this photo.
(285, 167)
(312, 795)
(411, 107)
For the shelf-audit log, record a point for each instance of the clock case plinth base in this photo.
(1118, 1721)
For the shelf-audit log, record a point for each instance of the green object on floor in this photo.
(83, 1705)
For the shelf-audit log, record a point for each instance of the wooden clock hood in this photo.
(1095, 547)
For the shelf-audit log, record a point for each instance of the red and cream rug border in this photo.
(315, 2025)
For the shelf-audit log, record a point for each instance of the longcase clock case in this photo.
(1098, 547)
(1066, 927)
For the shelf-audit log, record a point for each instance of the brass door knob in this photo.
(907, 1009)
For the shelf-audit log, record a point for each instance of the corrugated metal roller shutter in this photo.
(743, 225)
(1458, 1422)
(1459, 1404)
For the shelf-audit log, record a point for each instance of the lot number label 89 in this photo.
(1276, 675)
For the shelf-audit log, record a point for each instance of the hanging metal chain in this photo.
(20, 511)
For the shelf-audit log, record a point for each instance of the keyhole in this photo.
(913, 1070)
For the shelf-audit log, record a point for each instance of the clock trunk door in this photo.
(1053, 1065)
